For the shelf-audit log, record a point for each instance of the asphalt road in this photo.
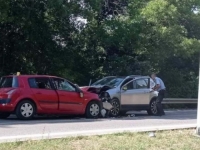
(13, 129)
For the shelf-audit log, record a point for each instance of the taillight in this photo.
(3, 96)
(7, 94)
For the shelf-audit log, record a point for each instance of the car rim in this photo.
(26, 110)
(94, 109)
(154, 107)
(115, 109)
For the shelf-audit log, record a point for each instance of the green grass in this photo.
(164, 140)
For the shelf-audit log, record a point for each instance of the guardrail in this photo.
(180, 101)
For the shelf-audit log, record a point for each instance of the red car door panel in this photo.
(69, 99)
(44, 94)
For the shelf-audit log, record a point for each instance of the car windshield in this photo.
(109, 81)
(8, 82)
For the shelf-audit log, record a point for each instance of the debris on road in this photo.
(131, 115)
(103, 113)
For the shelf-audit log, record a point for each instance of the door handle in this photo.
(38, 93)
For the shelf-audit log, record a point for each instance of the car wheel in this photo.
(93, 110)
(115, 111)
(25, 110)
(152, 108)
(4, 115)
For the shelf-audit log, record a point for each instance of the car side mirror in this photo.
(81, 94)
(124, 88)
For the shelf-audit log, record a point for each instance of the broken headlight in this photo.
(104, 96)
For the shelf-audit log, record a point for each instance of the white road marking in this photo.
(91, 132)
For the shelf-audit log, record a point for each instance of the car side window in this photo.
(140, 84)
(129, 86)
(62, 84)
(137, 84)
(40, 83)
(126, 81)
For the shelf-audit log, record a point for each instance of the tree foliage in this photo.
(119, 37)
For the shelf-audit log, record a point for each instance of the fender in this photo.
(19, 99)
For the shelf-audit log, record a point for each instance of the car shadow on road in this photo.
(13, 120)
(170, 115)
(173, 115)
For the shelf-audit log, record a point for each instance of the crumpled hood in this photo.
(94, 89)
(84, 88)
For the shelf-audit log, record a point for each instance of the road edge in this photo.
(91, 132)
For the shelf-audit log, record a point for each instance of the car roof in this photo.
(123, 76)
(130, 76)
(29, 76)
(133, 76)
(142, 77)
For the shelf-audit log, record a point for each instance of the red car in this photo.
(28, 95)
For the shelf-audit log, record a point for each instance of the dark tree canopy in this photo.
(88, 39)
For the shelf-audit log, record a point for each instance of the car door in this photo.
(44, 93)
(69, 98)
(136, 92)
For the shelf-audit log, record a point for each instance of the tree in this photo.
(119, 38)
(33, 34)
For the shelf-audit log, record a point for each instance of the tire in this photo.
(152, 108)
(115, 111)
(4, 115)
(93, 110)
(25, 114)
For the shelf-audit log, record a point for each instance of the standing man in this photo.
(160, 87)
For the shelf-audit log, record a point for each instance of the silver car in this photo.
(128, 93)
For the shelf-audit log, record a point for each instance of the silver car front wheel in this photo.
(115, 111)
(153, 108)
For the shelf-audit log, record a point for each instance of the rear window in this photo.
(9, 82)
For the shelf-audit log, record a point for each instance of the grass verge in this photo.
(164, 140)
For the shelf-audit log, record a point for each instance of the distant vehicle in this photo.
(28, 95)
(126, 93)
